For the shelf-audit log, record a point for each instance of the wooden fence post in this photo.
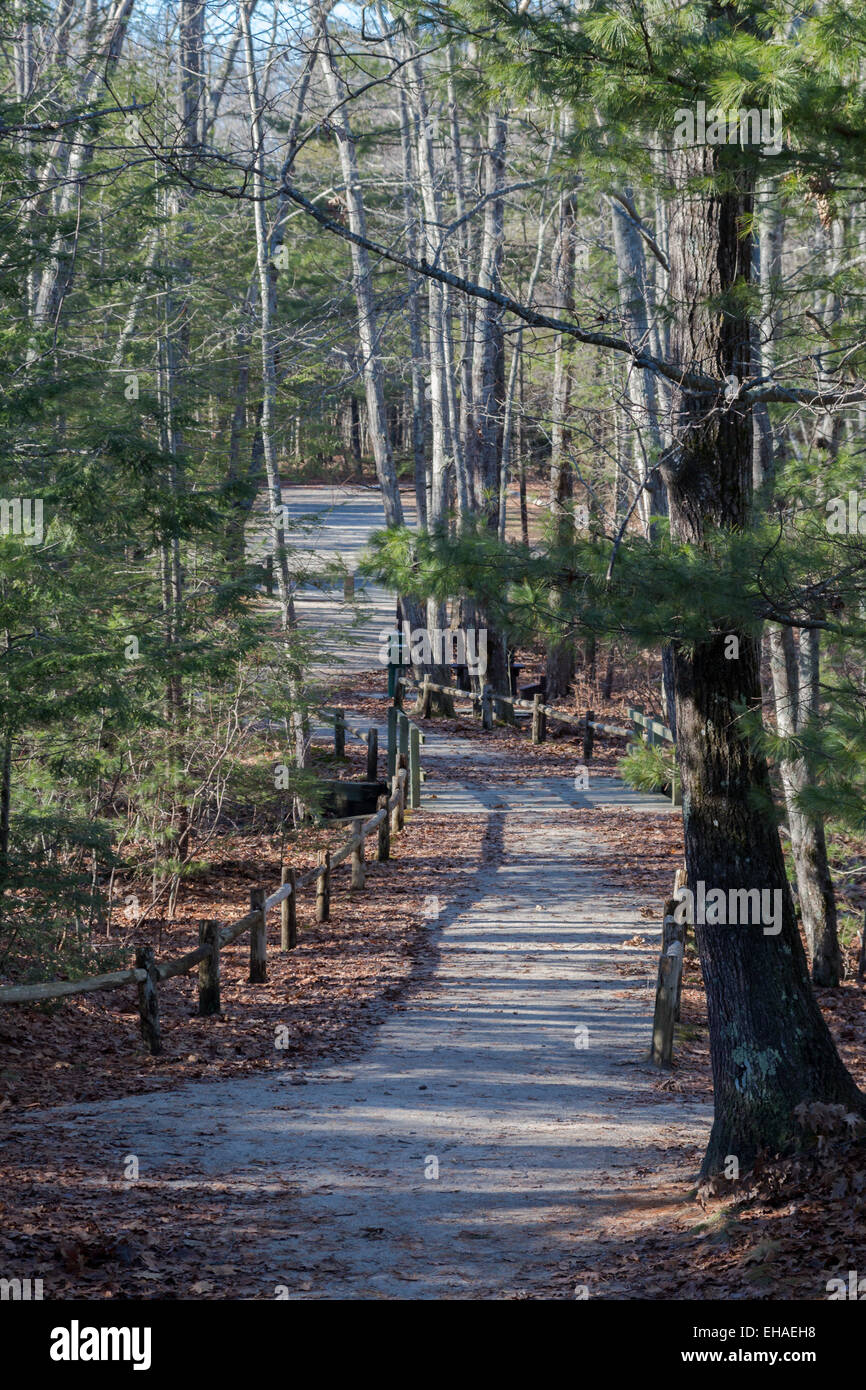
(209, 970)
(670, 970)
(398, 694)
(339, 733)
(539, 720)
(425, 699)
(383, 848)
(323, 887)
(397, 811)
(392, 742)
(414, 768)
(348, 587)
(372, 754)
(148, 1000)
(269, 575)
(588, 736)
(289, 912)
(673, 932)
(487, 708)
(258, 939)
(402, 737)
(358, 875)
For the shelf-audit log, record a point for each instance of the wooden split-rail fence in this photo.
(670, 970)
(147, 973)
(405, 776)
(642, 728)
(669, 981)
(404, 747)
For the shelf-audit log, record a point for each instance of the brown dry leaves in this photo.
(340, 980)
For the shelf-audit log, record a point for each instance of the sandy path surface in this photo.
(477, 1147)
(502, 1114)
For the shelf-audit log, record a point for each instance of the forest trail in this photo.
(478, 1147)
(333, 523)
(503, 1111)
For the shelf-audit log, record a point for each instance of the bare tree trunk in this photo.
(67, 161)
(795, 667)
(488, 384)
(465, 305)
(769, 247)
(511, 388)
(373, 370)
(632, 282)
(418, 363)
(267, 305)
(521, 449)
(446, 454)
(488, 346)
(559, 663)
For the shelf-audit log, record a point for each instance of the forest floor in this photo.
(438, 1125)
(432, 1026)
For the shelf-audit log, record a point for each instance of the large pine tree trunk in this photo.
(770, 1047)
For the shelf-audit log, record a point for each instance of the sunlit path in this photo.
(333, 524)
(484, 1136)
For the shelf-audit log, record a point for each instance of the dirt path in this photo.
(333, 523)
(500, 1117)
(479, 1145)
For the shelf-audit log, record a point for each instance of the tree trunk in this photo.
(632, 282)
(463, 254)
(795, 687)
(368, 331)
(416, 348)
(447, 456)
(770, 1047)
(516, 358)
(267, 309)
(559, 663)
(488, 358)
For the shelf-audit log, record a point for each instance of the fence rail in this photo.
(148, 973)
(642, 726)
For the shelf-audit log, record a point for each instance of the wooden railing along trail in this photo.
(670, 969)
(147, 973)
(405, 777)
(642, 727)
(669, 982)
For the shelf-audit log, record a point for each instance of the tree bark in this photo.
(770, 1047)
(267, 308)
(795, 686)
(559, 663)
(368, 331)
(632, 282)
